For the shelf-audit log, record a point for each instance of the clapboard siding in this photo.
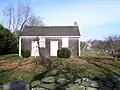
(73, 45)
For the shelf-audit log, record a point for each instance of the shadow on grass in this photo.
(9, 57)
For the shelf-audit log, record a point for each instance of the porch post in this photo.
(19, 46)
(79, 47)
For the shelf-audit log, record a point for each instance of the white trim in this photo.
(47, 36)
(19, 46)
(79, 47)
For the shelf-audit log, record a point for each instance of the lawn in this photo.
(10, 57)
(93, 54)
(14, 68)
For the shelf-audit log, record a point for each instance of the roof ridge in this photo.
(51, 26)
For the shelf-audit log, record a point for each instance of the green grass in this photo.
(88, 54)
(94, 66)
(12, 75)
(102, 66)
(15, 75)
(10, 57)
(93, 54)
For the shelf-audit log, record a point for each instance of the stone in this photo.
(35, 83)
(76, 87)
(90, 88)
(49, 86)
(101, 78)
(78, 81)
(105, 88)
(119, 79)
(48, 79)
(73, 82)
(108, 84)
(115, 89)
(94, 84)
(82, 87)
(6, 86)
(85, 79)
(1, 85)
(118, 86)
(100, 83)
(113, 79)
(86, 84)
(18, 85)
(71, 85)
(38, 89)
(15, 85)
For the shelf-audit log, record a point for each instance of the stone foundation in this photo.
(96, 83)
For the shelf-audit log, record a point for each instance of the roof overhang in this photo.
(48, 36)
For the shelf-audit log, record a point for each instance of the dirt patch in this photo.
(25, 65)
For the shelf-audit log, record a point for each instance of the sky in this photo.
(96, 18)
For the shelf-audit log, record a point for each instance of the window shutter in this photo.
(65, 41)
(42, 42)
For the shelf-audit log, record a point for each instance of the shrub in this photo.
(115, 54)
(8, 41)
(25, 53)
(63, 53)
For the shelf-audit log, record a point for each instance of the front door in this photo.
(53, 48)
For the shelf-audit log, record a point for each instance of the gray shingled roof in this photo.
(50, 31)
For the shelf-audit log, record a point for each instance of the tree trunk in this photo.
(40, 54)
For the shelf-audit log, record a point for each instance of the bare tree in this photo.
(96, 44)
(110, 45)
(17, 15)
(40, 54)
(35, 21)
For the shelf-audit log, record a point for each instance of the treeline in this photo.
(110, 45)
(8, 41)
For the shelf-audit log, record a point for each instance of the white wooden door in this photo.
(34, 49)
(53, 48)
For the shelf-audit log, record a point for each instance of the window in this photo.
(65, 42)
(42, 42)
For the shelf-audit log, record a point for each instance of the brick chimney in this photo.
(75, 23)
